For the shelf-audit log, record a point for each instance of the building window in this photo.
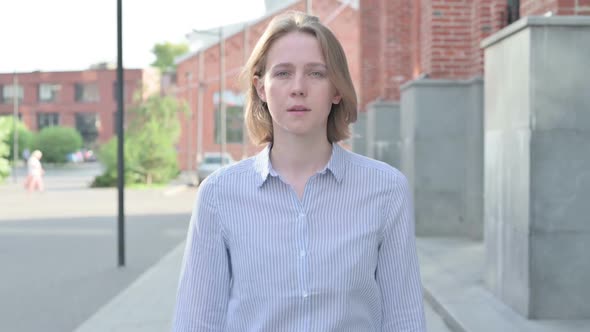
(234, 124)
(48, 92)
(86, 93)
(47, 120)
(88, 125)
(8, 92)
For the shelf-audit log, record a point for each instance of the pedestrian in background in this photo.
(305, 236)
(35, 174)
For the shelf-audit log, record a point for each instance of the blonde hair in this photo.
(37, 154)
(258, 118)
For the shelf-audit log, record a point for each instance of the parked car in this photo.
(212, 162)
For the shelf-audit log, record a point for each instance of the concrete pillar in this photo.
(442, 155)
(537, 166)
(383, 132)
(359, 134)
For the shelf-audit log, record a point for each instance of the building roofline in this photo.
(67, 71)
(352, 3)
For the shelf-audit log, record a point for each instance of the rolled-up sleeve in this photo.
(398, 273)
(203, 290)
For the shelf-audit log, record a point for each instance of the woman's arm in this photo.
(203, 290)
(398, 273)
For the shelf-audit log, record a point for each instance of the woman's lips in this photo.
(298, 109)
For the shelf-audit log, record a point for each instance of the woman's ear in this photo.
(259, 85)
(336, 99)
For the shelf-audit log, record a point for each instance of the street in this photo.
(58, 248)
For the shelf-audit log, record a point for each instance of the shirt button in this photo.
(302, 253)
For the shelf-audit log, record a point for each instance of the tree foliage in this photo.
(5, 129)
(165, 54)
(25, 138)
(150, 144)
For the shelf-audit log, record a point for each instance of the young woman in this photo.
(34, 179)
(305, 236)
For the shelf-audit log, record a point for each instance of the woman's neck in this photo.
(300, 158)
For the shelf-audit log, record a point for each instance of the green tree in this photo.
(57, 142)
(5, 128)
(150, 144)
(154, 133)
(25, 138)
(165, 54)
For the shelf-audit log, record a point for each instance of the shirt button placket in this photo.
(303, 253)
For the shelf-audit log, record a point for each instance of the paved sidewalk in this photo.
(452, 273)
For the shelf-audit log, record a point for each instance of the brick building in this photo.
(85, 100)
(404, 39)
(198, 73)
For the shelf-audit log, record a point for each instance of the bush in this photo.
(5, 124)
(107, 155)
(57, 142)
(25, 138)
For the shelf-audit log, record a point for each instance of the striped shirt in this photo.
(342, 258)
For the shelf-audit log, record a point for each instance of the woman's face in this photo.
(296, 86)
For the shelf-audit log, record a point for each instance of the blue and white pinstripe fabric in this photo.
(342, 258)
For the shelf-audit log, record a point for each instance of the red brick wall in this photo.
(488, 16)
(558, 7)
(371, 30)
(397, 50)
(450, 39)
(342, 20)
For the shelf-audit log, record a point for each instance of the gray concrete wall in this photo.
(537, 166)
(377, 132)
(442, 154)
(386, 141)
(359, 134)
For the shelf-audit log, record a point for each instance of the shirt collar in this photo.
(336, 165)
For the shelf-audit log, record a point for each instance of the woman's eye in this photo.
(282, 74)
(317, 74)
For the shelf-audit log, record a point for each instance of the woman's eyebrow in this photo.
(283, 65)
(316, 64)
(290, 65)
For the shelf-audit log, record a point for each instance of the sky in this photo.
(55, 35)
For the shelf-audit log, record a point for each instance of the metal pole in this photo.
(244, 129)
(189, 152)
(221, 91)
(200, 107)
(14, 128)
(120, 138)
(308, 7)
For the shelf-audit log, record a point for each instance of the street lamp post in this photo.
(14, 128)
(189, 159)
(200, 107)
(244, 129)
(222, 108)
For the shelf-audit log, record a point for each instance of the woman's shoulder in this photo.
(230, 173)
(373, 167)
